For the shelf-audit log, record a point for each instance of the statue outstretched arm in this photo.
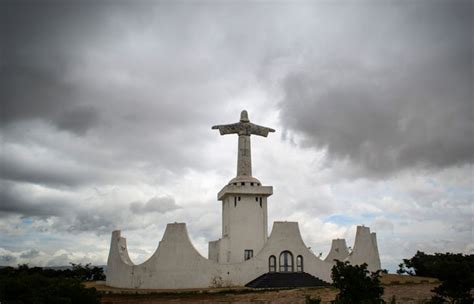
(246, 128)
(260, 130)
(227, 129)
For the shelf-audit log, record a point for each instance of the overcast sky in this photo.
(107, 108)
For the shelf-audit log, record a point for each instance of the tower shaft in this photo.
(244, 157)
(244, 201)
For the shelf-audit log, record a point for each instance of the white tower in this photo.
(244, 201)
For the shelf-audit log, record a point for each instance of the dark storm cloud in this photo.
(132, 80)
(48, 172)
(40, 42)
(391, 96)
(101, 95)
(15, 201)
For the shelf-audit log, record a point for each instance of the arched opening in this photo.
(299, 264)
(272, 264)
(286, 261)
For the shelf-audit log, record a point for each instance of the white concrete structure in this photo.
(244, 252)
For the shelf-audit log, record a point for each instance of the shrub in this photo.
(356, 284)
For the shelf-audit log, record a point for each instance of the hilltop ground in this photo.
(406, 289)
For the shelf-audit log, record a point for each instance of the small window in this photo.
(272, 264)
(286, 261)
(248, 253)
(235, 201)
(251, 184)
(260, 204)
(299, 263)
(242, 183)
(258, 184)
(239, 198)
(256, 199)
(260, 201)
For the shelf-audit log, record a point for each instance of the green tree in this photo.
(87, 273)
(455, 271)
(37, 285)
(356, 284)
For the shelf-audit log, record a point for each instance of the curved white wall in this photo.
(177, 264)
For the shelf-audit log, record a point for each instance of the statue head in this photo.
(244, 116)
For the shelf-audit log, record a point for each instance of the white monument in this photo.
(245, 254)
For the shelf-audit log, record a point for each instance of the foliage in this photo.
(38, 285)
(77, 271)
(455, 271)
(86, 273)
(356, 284)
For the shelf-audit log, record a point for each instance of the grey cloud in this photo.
(78, 68)
(40, 43)
(463, 227)
(91, 220)
(50, 172)
(105, 218)
(382, 224)
(31, 93)
(75, 215)
(389, 106)
(7, 259)
(15, 201)
(155, 204)
(78, 119)
(32, 253)
(28, 93)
